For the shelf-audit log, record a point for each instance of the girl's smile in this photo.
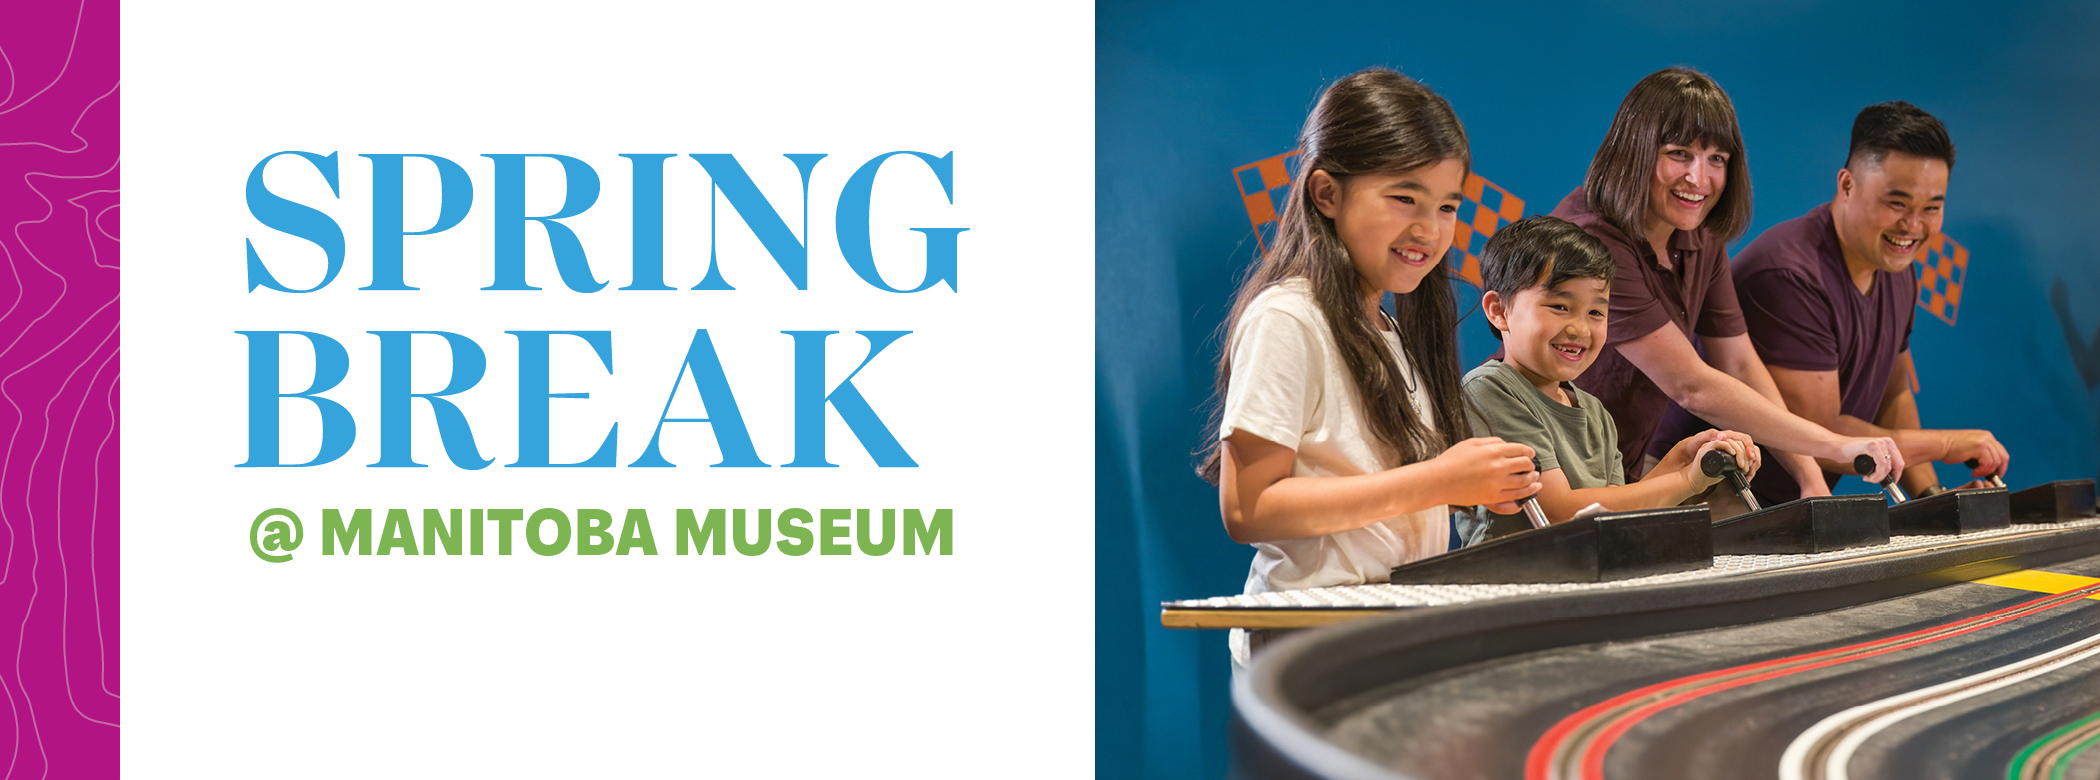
(1395, 226)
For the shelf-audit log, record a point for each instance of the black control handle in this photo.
(1720, 464)
(1863, 464)
(1994, 480)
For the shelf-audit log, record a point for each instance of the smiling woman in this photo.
(1668, 189)
(1678, 124)
(1689, 180)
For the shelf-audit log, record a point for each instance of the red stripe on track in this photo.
(1539, 764)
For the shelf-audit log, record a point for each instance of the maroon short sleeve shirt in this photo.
(1696, 295)
(1806, 314)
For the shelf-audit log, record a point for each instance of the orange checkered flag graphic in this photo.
(1486, 208)
(1265, 186)
(1942, 270)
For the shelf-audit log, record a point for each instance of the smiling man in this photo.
(1829, 298)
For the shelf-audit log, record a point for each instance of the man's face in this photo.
(1887, 211)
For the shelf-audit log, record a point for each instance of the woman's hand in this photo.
(1486, 471)
(1888, 460)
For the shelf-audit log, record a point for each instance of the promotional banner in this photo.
(644, 390)
(624, 391)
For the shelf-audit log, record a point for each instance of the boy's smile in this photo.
(1552, 336)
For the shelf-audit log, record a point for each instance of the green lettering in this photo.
(889, 533)
(593, 532)
(561, 527)
(829, 530)
(634, 532)
(790, 530)
(360, 530)
(915, 527)
(398, 534)
(503, 518)
(765, 532)
(694, 536)
(436, 533)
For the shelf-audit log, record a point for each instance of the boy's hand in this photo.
(1686, 455)
(1487, 471)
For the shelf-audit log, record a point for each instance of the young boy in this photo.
(1548, 292)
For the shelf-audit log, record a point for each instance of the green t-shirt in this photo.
(1581, 440)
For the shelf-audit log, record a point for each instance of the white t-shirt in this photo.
(1290, 386)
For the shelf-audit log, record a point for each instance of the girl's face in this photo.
(1688, 182)
(1396, 226)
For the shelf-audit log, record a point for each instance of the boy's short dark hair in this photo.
(1542, 251)
(1897, 126)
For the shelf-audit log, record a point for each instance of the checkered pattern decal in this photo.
(1942, 270)
(1266, 184)
(1264, 187)
(1486, 208)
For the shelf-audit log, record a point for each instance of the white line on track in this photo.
(1859, 724)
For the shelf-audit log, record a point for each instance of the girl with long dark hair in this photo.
(1339, 438)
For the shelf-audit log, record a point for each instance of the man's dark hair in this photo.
(1897, 126)
(1542, 251)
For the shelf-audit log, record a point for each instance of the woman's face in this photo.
(1396, 226)
(1688, 182)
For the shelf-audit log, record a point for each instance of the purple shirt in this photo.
(1697, 296)
(1806, 314)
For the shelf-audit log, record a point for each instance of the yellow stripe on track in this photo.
(2040, 581)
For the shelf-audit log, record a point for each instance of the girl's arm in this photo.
(1262, 502)
(1676, 478)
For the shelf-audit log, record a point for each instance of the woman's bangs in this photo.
(1705, 119)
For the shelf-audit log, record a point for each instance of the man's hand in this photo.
(1990, 456)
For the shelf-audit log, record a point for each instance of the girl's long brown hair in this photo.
(1371, 121)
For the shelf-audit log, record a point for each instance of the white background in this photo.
(978, 664)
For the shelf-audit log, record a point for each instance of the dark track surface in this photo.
(1482, 720)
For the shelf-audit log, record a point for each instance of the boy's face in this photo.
(1553, 334)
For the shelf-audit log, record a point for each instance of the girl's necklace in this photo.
(1408, 372)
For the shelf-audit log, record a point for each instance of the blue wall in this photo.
(1189, 91)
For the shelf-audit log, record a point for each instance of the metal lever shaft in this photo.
(1530, 504)
(1721, 464)
(1864, 465)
